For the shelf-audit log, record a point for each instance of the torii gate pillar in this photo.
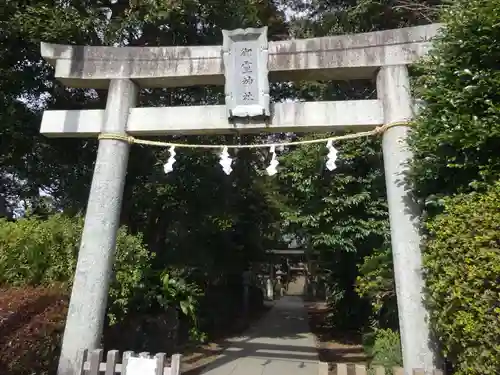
(87, 308)
(393, 89)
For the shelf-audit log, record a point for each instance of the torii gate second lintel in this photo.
(245, 58)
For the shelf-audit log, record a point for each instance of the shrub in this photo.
(462, 263)
(36, 252)
(456, 139)
(384, 348)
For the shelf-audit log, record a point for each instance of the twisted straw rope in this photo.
(132, 140)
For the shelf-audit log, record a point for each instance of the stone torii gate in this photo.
(243, 64)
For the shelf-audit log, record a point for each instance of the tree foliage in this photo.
(332, 17)
(455, 137)
(341, 215)
(376, 283)
(194, 216)
(199, 226)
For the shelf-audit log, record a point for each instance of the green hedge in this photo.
(35, 252)
(455, 144)
(463, 277)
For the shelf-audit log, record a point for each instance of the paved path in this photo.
(279, 344)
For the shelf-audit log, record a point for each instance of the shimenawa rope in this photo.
(132, 140)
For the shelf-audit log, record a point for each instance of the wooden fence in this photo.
(354, 369)
(92, 363)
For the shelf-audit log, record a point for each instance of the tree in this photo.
(197, 222)
(31, 162)
(341, 215)
(455, 135)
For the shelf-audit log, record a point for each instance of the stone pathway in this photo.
(279, 344)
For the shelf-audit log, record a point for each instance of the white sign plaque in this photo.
(141, 366)
(245, 70)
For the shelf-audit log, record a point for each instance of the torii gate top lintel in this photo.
(332, 57)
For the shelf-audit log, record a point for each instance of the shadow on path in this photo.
(280, 343)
